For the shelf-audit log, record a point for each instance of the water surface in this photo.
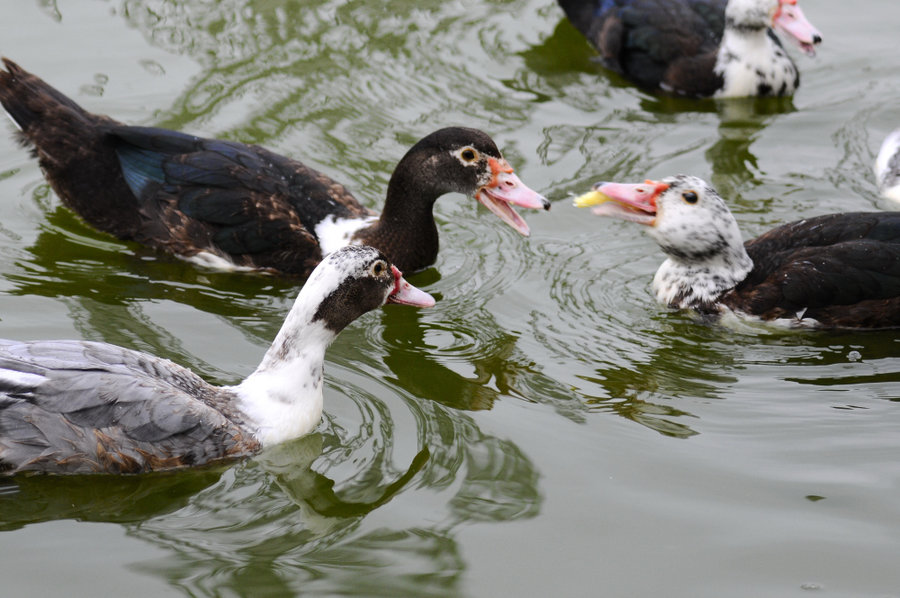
(546, 429)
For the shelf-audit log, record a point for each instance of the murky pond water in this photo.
(546, 429)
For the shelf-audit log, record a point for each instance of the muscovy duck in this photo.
(227, 204)
(89, 407)
(697, 48)
(831, 271)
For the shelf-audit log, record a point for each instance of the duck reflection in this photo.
(486, 355)
(741, 121)
(320, 546)
(466, 362)
(29, 499)
(125, 499)
(687, 364)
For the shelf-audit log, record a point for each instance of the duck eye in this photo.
(690, 196)
(468, 154)
(379, 267)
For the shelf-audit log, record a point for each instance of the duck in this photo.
(75, 406)
(887, 167)
(697, 48)
(229, 205)
(830, 271)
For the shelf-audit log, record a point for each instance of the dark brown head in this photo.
(461, 160)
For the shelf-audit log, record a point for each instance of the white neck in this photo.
(698, 284)
(282, 399)
(748, 59)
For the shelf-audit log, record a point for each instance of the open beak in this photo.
(406, 294)
(636, 203)
(791, 20)
(505, 190)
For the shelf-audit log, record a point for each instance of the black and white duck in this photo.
(228, 204)
(86, 407)
(831, 271)
(697, 48)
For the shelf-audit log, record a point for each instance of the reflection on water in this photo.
(546, 388)
(281, 526)
(843, 363)
(465, 363)
(121, 499)
(649, 392)
(276, 513)
(336, 72)
(733, 165)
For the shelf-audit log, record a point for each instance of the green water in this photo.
(546, 429)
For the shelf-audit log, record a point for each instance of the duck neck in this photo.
(282, 398)
(751, 62)
(699, 284)
(406, 230)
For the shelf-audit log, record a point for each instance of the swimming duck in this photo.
(887, 167)
(831, 271)
(228, 204)
(86, 407)
(697, 48)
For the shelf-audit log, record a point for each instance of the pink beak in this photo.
(791, 20)
(406, 294)
(634, 202)
(506, 189)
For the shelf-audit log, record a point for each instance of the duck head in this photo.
(463, 160)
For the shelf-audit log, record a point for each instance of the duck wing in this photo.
(242, 201)
(83, 407)
(839, 269)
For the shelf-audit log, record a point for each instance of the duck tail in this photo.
(28, 99)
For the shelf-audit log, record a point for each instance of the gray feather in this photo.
(84, 407)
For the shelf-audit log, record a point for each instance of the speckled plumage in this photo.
(226, 203)
(87, 407)
(831, 271)
(696, 48)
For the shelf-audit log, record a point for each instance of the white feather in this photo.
(212, 261)
(887, 167)
(744, 322)
(283, 396)
(334, 233)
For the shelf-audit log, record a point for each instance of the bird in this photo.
(830, 271)
(697, 48)
(73, 406)
(887, 167)
(230, 205)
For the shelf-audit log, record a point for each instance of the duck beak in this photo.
(406, 294)
(791, 20)
(636, 203)
(506, 189)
